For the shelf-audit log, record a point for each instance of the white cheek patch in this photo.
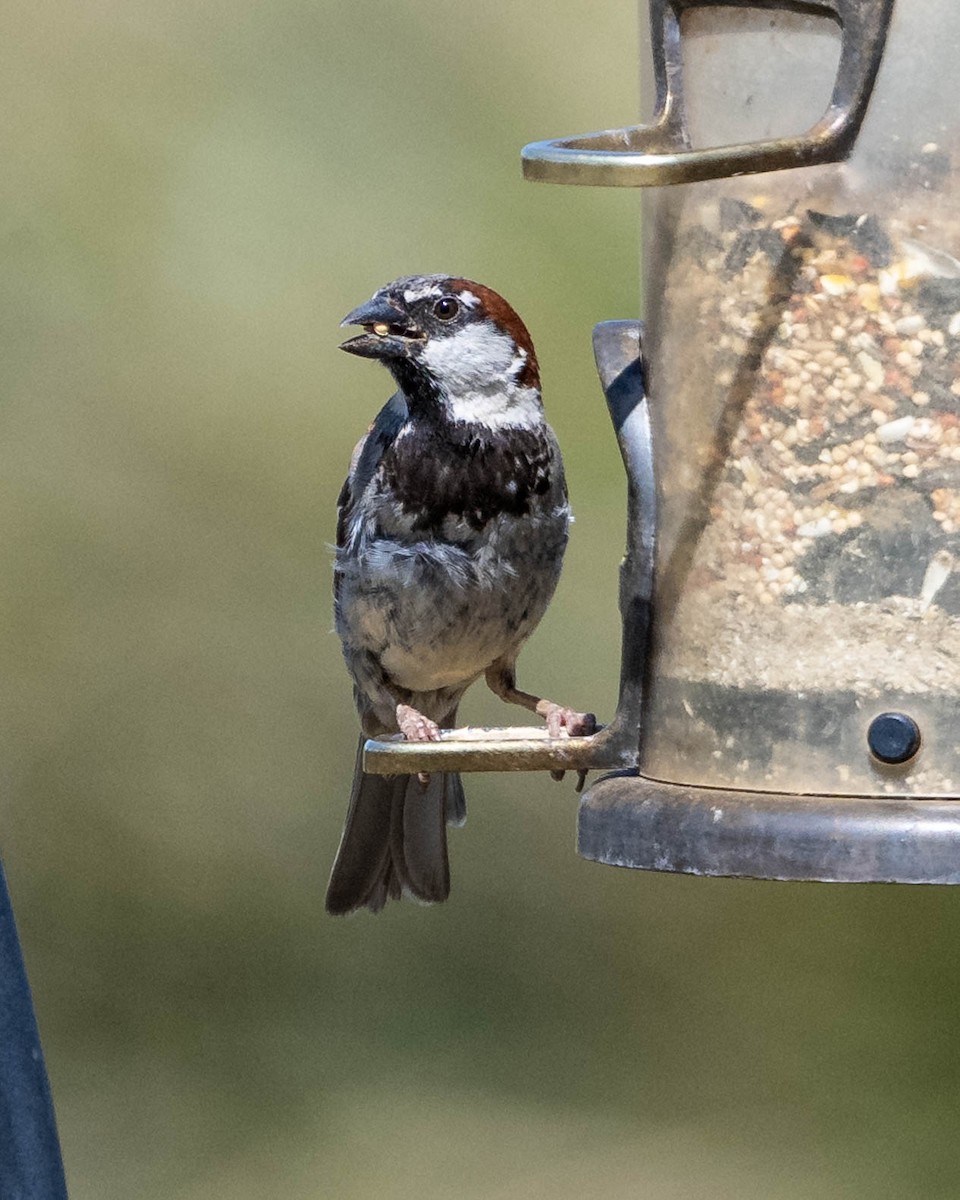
(475, 356)
(477, 370)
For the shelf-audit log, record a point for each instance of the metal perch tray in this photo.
(516, 748)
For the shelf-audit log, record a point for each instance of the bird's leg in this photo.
(502, 681)
(415, 727)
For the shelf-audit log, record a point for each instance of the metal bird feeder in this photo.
(789, 419)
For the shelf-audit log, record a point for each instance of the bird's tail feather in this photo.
(455, 801)
(395, 840)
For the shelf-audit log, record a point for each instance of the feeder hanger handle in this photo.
(660, 153)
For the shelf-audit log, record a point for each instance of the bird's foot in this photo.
(562, 720)
(415, 727)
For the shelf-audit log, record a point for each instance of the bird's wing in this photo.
(367, 457)
(556, 458)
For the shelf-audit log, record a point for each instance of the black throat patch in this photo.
(439, 469)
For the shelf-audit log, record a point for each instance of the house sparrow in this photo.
(451, 529)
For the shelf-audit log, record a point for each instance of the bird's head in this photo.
(454, 346)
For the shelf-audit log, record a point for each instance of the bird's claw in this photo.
(557, 777)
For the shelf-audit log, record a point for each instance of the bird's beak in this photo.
(388, 330)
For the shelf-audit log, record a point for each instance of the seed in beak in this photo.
(380, 329)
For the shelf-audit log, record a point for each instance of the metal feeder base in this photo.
(627, 820)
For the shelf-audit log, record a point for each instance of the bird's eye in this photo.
(446, 309)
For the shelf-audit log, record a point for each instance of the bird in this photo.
(451, 530)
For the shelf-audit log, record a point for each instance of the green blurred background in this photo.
(193, 195)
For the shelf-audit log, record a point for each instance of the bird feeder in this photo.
(789, 420)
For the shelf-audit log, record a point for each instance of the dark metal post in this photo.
(30, 1164)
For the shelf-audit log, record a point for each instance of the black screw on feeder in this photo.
(893, 738)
